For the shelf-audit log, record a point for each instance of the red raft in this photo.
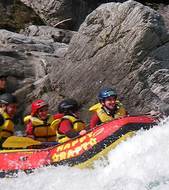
(80, 152)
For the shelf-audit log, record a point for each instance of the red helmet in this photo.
(37, 104)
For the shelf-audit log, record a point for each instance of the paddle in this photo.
(24, 142)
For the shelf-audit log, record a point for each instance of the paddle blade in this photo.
(19, 142)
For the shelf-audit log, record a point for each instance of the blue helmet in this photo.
(106, 92)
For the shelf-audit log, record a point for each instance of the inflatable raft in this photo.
(80, 152)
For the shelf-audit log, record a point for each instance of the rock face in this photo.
(164, 11)
(53, 12)
(120, 45)
(72, 13)
(26, 60)
(64, 14)
(15, 15)
(48, 33)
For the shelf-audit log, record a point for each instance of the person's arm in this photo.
(65, 127)
(95, 120)
(29, 129)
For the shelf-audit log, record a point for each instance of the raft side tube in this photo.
(105, 137)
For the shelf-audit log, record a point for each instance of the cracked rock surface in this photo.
(121, 45)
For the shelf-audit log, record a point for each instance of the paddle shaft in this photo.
(24, 142)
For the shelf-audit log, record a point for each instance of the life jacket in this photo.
(7, 129)
(42, 130)
(77, 126)
(105, 116)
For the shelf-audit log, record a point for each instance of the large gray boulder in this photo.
(119, 45)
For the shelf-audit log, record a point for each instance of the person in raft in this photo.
(8, 108)
(108, 108)
(38, 124)
(69, 126)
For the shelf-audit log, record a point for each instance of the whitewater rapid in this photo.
(140, 163)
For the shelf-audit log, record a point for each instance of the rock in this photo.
(30, 44)
(164, 11)
(119, 45)
(48, 33)
(52, 12)
(16, 15)
(63, 14)
(123, 46)
(27, 62)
